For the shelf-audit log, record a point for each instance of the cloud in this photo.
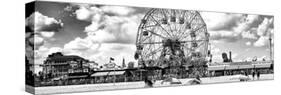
(247, 23)
(234, 55)
(227, 36)
(264, 31)
(41, 28)
(81, 47)
(223, 26)
(39, 22)
(110, 24)
(221, 21)
(215, 51)
(34, 41)
(100, 53)
(80, 44)
(217, 58)
(88, 13)
(229, 27)
(115, 50)
(47, 34)
(249, 34)
(264, 27)
(262, 41)
(116, 30)
(248, 43)
(117, 10)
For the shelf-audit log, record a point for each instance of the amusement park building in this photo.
(57, 65)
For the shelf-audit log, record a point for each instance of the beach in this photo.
(139, 84)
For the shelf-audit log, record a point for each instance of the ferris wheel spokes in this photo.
(187, 41)
(156, 34)
(190, 32)
(160, 26)
(151, 53)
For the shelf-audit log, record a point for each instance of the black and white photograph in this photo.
(81, 47)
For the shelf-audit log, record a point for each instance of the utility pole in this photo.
(210, 53)
(270, 47)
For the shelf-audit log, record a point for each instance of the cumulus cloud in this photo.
(99, 53)
(221, 21)
(248, 43)
(217, 58)
(40, 28)
(262, 41)
(82, 47)
(264, 28)
(264, 31)
(88, 13)
(37, 41)
(233, 27)
(116, 30)
(110, 24)
(115, 50)
(256, 27)
(227, 36)
(234, 55)
(247, 23)
(221, 25)
(39, 22)
(80, 44)
(47, 34)
(249, 34)
(117, 10)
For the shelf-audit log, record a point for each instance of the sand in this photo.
(140, 84)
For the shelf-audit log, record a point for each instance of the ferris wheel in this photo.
(171, 35)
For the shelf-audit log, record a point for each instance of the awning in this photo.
(75, 77)
(262, 65)
(117, 73)
(212, 68)
(100, 74)
(108, 73)
(246, 66)
(231, 67)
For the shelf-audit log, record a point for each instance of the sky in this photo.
(98, 32)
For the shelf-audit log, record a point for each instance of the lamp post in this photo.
(270, 47)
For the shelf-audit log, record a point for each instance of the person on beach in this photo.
(246, 73)
(258, 75)
(149, 82)
(253, 75)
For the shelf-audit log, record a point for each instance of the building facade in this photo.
(59, 66)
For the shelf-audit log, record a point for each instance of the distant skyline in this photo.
(98, 32)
